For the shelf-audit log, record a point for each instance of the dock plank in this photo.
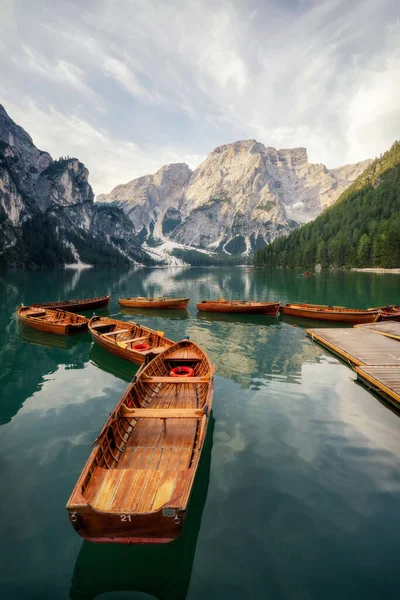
(358, 345)
(388, 328)
(385, 379)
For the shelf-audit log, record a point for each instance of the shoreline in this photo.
(377, 270)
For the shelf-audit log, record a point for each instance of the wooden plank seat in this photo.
(156, 350)
(175, 379)
(35, 313)
(162, 413)
(135, 339)
(141, 490)
(116, 332)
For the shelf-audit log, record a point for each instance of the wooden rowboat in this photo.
(177, 303)
(147, 569)
(239, 307)
(330, 313)
(391, 312)
(126, 339)
(136, 485)
(53, 321)
(76, 305)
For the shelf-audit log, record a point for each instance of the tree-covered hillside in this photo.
(362, 229)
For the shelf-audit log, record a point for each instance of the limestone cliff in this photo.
(47, 211)
(242, 196)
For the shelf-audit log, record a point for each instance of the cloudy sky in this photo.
(130, 85)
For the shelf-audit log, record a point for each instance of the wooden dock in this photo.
(375, 358)
(385, 380)
(389, 328)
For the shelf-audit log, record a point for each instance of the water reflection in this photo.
(49, 340)
(310, 323)
(169, 313)
(234, 318)
(163, 570)
(247, 351)
(112, 364)
(28, 357)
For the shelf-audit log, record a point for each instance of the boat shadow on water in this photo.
(303, 323)
(50, 340)
(106, 361)
(162, 570)
(236, 318)
(165, 313)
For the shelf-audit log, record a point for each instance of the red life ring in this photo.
(141, 347)
(181, 372)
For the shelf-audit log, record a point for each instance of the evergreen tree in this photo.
(361, 229)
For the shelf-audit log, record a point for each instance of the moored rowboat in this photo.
(391, 312)
(338, 314)
(239, 307)
(126, 339)
(136, 485)
(53, 321)
(177, 303)
(76, 305)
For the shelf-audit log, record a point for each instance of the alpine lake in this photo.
(298, 492)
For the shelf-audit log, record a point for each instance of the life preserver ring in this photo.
(141, 347)
(181, 372)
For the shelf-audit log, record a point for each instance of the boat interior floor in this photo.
(154, 466)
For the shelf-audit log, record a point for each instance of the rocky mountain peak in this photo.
(243, 195)
(172, 175)
(33, 160)
(47, 210)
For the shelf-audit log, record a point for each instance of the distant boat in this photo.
(53, 321)
(126, 339)
(339, 314)
(388, 312)
(239, 307)
(307, 273)
(136, 485)
(76, 305)
(139, 302)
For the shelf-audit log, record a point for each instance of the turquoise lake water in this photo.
(298, 494)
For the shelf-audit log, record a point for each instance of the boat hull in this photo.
(388, 313)
(138, 358)
(134, 356)
(136, 485)
(105, 528)
(176, 303)
(326, 315)
(73, 306)
(395, 316)
(55, 328)
(266, 308)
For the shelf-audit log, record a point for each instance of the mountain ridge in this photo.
(362, 228)
(47, 212)
(242, 195)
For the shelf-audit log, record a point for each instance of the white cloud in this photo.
(131, 85)
(109, 160)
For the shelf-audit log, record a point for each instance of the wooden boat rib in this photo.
(330, 313)
(390, 312)
(137, 482)
(239, 307)
(53, 321)
(177, 303)
(121, 337)
(76, 305)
